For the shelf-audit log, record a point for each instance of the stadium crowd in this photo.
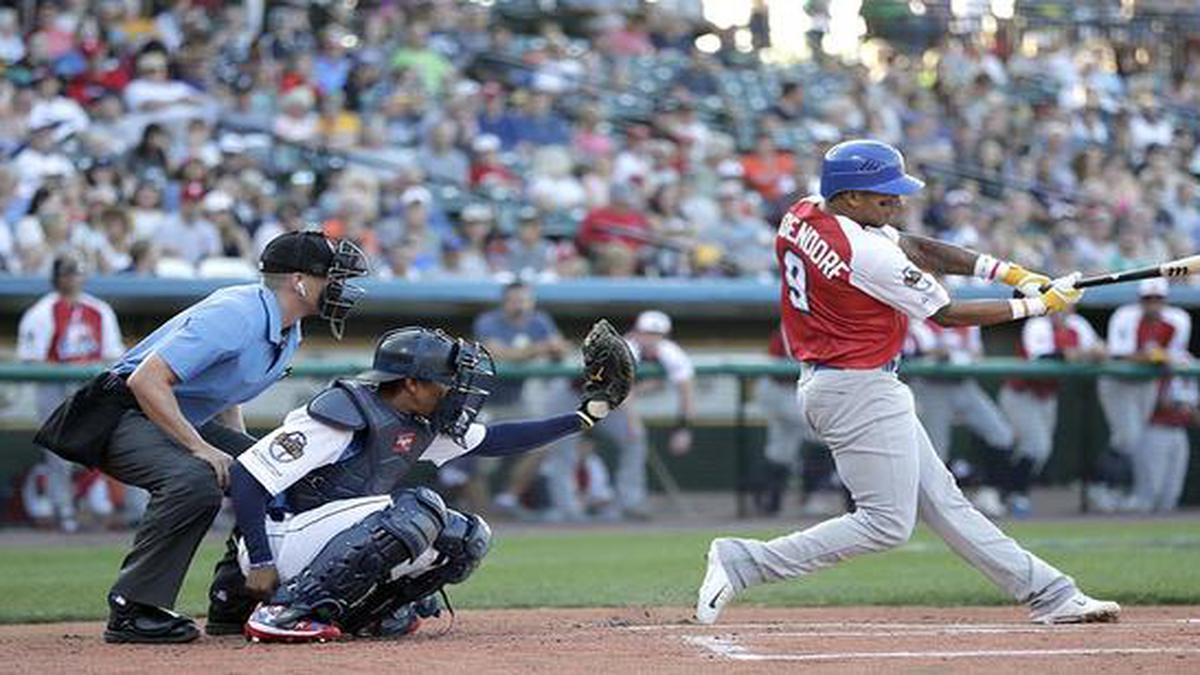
(451, 140)
(472, 141)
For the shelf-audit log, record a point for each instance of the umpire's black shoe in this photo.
(130, 621)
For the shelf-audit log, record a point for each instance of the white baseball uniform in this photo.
(58, 330)
(295, 539)
(1032, 405)
(944, 402)
(848, 292)
(1160, 469)
(1128, 403)
(624, 426)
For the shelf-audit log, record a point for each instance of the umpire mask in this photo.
(339, 296)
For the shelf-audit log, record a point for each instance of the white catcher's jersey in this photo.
(276, 469)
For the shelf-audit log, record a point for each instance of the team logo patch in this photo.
(404, 443)
(916, 279)
(288, 446)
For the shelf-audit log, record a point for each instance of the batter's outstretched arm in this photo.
(974, 313)
(938, 257)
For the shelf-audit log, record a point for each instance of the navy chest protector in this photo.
(388, 443)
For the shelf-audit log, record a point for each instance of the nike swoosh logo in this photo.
(712, 604)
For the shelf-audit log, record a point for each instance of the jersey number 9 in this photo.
(797, 281)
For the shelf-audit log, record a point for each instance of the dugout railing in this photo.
(1077, 400)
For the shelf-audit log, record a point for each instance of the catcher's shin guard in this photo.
(352, 565)
(462, 545)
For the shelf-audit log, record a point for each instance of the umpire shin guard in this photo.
(353, 564)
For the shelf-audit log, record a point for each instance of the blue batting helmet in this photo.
(865, 165)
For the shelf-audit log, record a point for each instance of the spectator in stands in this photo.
(768, 170)
(296, 121)
(417, 230)
(528, 254)
(537, 124)
(189, 235)
(49, 106)
(744, 238)
(487, 170)
(552, 184)
(621, 224)
(518, 333)
(40, 159)
(154, 91)
(442, 162)
(65, 326)
(475, 234)
(432, 68)
(114, 248)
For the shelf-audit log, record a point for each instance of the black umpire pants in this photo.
(184, 500)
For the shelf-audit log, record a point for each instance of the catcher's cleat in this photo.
(715, 590)
(279, 623)
(1079, 608)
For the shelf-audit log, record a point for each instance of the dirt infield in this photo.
(860, 639)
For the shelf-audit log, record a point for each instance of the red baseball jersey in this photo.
(847, 290)
(58, 330)
(1046, 336)
(1130, 331)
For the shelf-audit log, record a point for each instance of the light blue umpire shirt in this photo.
(225, 349)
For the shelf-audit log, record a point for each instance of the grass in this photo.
(1155, 562)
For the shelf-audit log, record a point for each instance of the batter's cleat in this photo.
(279, 623)
(715, 590)
(1079, 608)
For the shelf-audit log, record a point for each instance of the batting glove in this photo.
(1027, 282)
(1061, 295)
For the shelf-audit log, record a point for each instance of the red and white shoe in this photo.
(279, 623)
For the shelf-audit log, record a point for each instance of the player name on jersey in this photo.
(805, 238)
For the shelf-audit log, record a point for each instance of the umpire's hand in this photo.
(218, 460)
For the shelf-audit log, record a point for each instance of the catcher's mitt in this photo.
(608, 370)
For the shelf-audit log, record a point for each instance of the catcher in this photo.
(331, 539)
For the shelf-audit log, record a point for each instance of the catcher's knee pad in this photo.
(358, 559)
(464, 542)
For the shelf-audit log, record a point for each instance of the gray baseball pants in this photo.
(886, 460)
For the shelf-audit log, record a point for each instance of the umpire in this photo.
(167, 416)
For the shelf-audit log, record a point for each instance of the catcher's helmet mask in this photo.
(465, 368)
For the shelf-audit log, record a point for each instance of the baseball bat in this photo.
(1174, 268)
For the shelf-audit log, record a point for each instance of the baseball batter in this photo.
(1032, 404)
(1148, 331)
(851, 282)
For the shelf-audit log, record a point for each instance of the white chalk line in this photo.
(736, 652)
(955, 631)
(775, 628)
